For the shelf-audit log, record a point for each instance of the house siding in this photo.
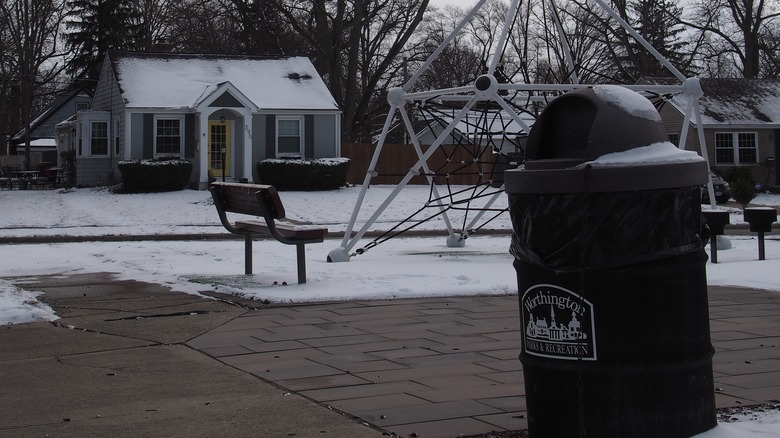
(136, 136)
(95, 171)
(324, 142)
(46, 129)
(270, 136)
(776, 158)
(107, 98)
(765, 136)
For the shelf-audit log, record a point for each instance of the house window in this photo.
(168, 138)
(98, 138)
(736, 148)
(674, 138)
(289, 138)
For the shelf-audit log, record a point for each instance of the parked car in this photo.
(720, 187)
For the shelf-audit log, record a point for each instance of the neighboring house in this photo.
(220, 112)
(43, 144)
(741, 124)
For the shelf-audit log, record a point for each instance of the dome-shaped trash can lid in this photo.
(587, 123)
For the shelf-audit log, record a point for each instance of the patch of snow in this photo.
(19, 306)
(656, 153)
(629, 101)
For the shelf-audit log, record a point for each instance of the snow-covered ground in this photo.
(403, 267)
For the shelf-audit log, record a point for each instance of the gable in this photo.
(226, 100)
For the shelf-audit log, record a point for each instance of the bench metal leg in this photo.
(301, 253)
(247, 254)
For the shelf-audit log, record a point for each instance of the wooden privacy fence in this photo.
(449, 163)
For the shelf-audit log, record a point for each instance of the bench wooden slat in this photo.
(240, 198)
(302, 232)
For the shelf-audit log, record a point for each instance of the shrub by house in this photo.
(141, 176)
(296, 174)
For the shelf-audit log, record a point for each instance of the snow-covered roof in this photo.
(180, 81)
(737, 102)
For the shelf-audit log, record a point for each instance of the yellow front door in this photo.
(220, 148)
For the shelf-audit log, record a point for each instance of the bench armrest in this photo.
(219, 202)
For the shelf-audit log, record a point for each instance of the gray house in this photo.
(740, 121)
(43, 145)
(223, 113)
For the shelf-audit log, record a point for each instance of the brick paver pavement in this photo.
(443, 367)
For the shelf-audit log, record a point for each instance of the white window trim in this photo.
(735, 146)
(89, 152)
(115, 137)
(180, 118)
(301, 133)
(669, 137)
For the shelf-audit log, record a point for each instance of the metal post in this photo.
(247, 253)
(761, 253)
(301, 253)
(714, 249)
(224, 157)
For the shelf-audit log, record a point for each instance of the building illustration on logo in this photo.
(557, 323)
(539, 329)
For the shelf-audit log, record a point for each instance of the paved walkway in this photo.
(115, 365)
(126, 359)
(445, 367)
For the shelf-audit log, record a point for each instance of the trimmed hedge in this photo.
(297, 174)
(143, 176)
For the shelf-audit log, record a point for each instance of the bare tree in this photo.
(738, 34)
(770, 52)
(627, 60)
(9, 119)
(459, 63)
(153, 21)
(572, 45)
(358, 46)
(33, 31)
(201, 26)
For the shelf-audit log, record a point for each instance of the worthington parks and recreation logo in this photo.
(557, 323)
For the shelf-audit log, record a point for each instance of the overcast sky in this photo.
(459, 3)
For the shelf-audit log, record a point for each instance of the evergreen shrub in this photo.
(143, 176)
(743, 185)
(298, 174)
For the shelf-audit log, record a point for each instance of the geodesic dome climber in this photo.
(479, 130)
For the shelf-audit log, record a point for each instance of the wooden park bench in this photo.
(262, 201)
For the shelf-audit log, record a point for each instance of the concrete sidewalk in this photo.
(132, 359)
(445, 367)
(117, 365)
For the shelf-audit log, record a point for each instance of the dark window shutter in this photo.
(189, 135)
(270, 136)
(309, 134)
(148, 146)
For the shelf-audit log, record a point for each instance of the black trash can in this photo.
(611, 274)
